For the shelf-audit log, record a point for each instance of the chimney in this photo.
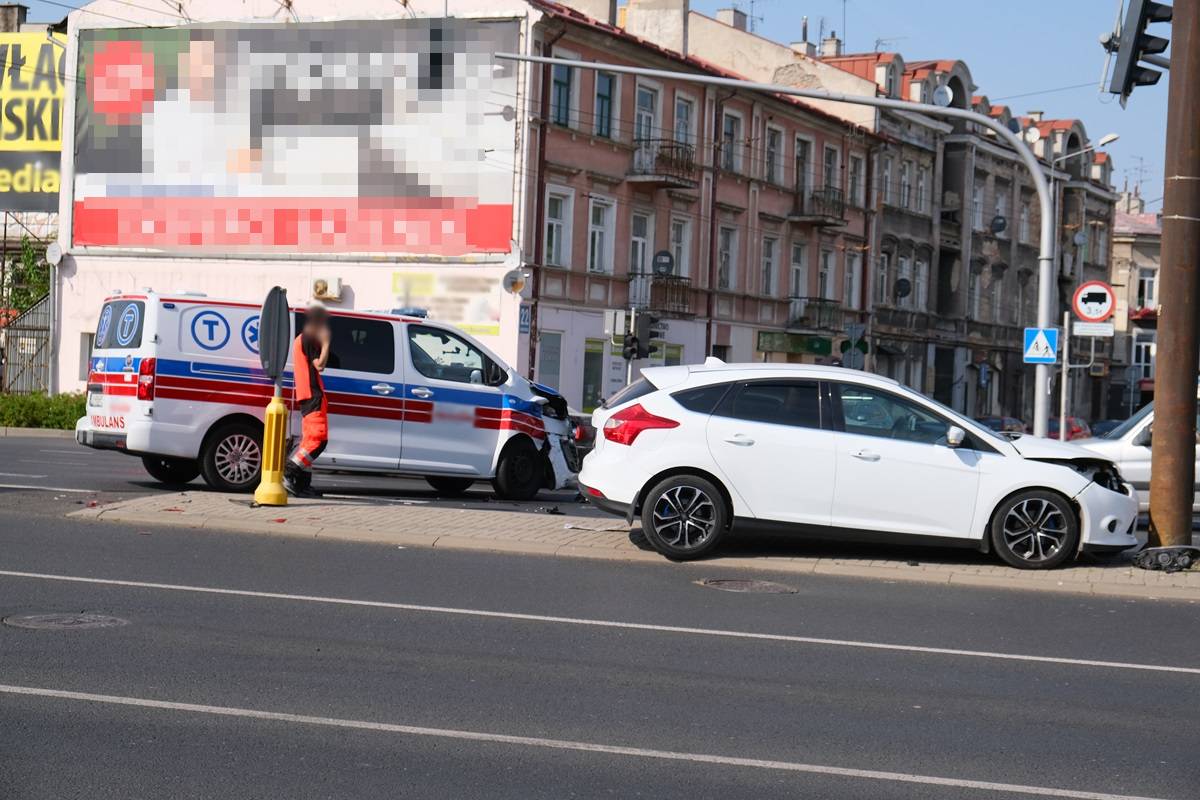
(831, 46)
(664, 22)
(734, 17)
(12, 17)
(1036, 116)
(600, 10)
(804, 47)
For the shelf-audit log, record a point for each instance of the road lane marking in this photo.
(601, 623)
(565, 744)
(74, 452)
(19, 475)
(45, 488)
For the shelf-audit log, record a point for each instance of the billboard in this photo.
(31, 92)
(373, 137)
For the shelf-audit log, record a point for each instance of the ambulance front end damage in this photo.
(559, 447)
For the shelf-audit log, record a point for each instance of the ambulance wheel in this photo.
(519, 473)
(231, 460)
(171, 470)
(449, 487)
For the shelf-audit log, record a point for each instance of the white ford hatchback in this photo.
(698, 450)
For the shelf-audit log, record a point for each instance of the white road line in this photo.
(600, 623)
(566, 744)
(74, 452)
(45, 488)
(19, 475)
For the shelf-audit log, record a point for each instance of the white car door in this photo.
(894, 470)
(457, 408)
(767, 438)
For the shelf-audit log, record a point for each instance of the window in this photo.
(606, 93)
(1023, 226)
(593, 374)
(973, 293)
(702, 400)
(560, 95)
(870, 412)
(444, 356)
(549, 365)
(361, 345)
(923, 189)
(727, 244)
(794, 403)
(852, 291)
(904, 273)
(825, 275)
(1101, 244)
(856, 192)
(832, 163)
(558, 228)
(1018, 308)
(883, 292)
(731, 139)
(889, 82)
(886, 181)
(977, 206)
(685, 112)
(799, 270)
(121, 324)
(803, 166)
(672, 355)
(1143, 359)
(997, 296)
(906, 184)
(645, 121)
(600, 235)
(87, 342)
(1002, 206)
(774, 160)
(921, 286)
(769, 246)
(1147, 288)
(681, 244)
(639, 244)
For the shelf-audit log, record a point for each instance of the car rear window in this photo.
(120, 325)
(702, 399)
(633, 391)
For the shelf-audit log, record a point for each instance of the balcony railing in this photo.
(667, 294)
(825, 206)
(815, 313)
(664, 161)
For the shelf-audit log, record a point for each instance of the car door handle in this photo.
(866, 455)
(383, 388)
(422, 392)
(740, 440)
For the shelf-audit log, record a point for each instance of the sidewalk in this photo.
(577, 530)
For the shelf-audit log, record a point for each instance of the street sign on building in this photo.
(1041, 345)
(1094, 301)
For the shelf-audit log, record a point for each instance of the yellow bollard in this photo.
(270, 491)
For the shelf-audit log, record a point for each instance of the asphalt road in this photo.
(266, 667)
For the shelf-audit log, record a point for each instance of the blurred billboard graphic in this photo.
(371, 137)
(31, 92)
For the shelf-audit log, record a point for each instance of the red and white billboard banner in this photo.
(372, 137)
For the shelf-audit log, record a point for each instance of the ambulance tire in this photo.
(449, 487)
(172, 471)
(231, 458)
(519, 475)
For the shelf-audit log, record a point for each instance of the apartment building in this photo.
(760, 200)
(1137, 245)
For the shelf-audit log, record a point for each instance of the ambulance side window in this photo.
(441, 355)
(359, 345)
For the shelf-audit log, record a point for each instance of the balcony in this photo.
(815, 313)
(664, 163)
(1144, 316)
(824, 208)
(663, 294)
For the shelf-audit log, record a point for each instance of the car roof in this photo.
(669, 376)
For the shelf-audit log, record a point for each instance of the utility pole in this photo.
(1174, 444)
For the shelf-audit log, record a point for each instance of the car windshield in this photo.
(1129, 424)
(959, 419)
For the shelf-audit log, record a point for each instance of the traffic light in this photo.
(629, 347)
(1133, 44)
(646, 328)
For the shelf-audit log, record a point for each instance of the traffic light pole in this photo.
(1172, 482)
(1046, 283)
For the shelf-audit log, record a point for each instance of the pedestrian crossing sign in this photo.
(1041, 345)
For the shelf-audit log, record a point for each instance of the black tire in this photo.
(449, 487)
(519, 475)
(1035, 529)
(231, 460)
(173, 471)
(685, 517)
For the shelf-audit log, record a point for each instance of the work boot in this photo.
(293, 481)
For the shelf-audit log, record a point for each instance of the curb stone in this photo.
(39, 433)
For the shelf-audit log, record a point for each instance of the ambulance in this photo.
(176, 381)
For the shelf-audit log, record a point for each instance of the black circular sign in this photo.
(663, 263)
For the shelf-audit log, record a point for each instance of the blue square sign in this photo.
(1041, 345)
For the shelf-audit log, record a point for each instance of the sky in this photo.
(1012, 48)
(1015, 47)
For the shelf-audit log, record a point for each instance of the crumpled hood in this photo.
(1034, 447)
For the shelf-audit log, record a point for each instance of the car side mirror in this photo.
(1144, 438)
(955, 436)
(476, 376)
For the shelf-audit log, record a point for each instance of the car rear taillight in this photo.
(145, 384)
(625, 425)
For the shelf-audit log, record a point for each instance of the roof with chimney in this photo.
(1147, 224)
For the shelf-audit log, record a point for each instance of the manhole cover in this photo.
(755, 587)
(63, 621)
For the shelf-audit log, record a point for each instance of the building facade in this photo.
(1137, 246)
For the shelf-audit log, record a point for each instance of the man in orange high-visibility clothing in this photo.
(310, 353)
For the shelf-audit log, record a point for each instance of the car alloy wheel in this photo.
(237, 458)
(1035, 529)
(684, 516)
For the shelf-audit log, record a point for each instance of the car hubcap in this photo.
(237, 458)
(685, 517)
(1035, 529)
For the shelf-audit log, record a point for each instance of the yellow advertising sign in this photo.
(31, 92)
